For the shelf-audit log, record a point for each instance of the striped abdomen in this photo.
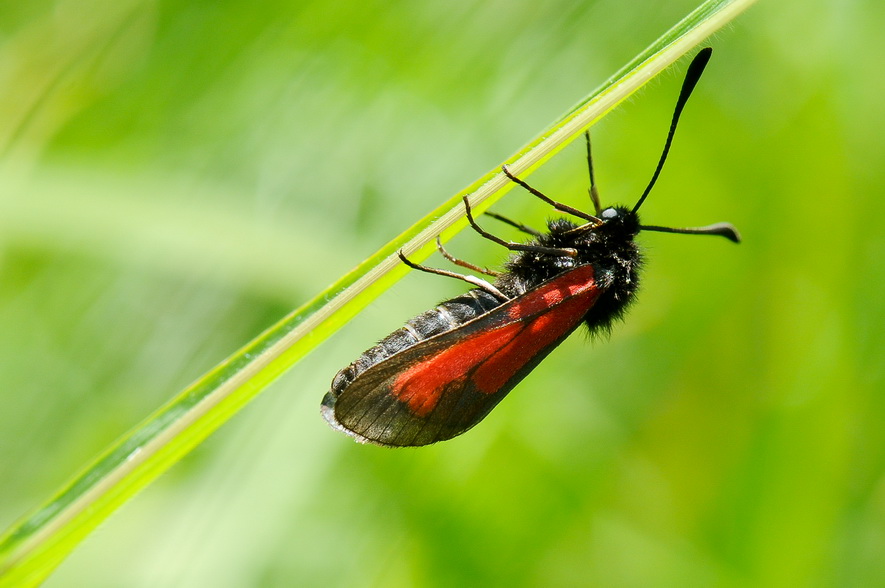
(445, 317)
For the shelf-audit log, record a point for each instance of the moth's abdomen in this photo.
(445, 317)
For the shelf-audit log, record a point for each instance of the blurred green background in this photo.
(178, 175)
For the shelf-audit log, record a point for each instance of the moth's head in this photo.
(621, 220)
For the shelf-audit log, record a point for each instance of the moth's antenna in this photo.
(594, 192)
(726, 230)
(695, 69)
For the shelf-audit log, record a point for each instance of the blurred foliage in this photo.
(176, 176)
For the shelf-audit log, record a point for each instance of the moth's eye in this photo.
(609, 213)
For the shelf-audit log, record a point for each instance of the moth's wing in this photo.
(444, 385)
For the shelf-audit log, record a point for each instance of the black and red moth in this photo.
(447, 368)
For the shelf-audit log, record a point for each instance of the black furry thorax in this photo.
(609, 247)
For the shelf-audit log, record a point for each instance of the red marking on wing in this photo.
(534, 336)
(422, 384)
(517, 331)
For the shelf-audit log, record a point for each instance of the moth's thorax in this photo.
(609, 247)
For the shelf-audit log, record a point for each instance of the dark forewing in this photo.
(444, 385)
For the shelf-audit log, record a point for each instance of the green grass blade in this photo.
(38, 543)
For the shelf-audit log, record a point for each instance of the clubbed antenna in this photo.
(726, 230)
(695, 69)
